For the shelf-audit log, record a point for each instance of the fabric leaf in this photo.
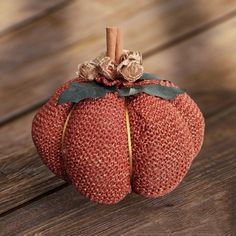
(153, 90)
(148, 76)
(125, 92)
(80, 91)
(162, 91)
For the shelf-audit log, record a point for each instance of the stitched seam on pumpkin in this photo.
(128, 136)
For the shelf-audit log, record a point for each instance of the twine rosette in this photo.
(116, 129)
(129, 69)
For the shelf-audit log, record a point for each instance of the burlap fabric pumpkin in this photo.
(123, 140)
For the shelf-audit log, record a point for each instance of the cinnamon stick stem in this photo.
(119, 45)
(111, 34)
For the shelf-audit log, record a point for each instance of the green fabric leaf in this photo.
(162, 91)
(153, 90)
(149, 76)
(80, 91)
(125, 92)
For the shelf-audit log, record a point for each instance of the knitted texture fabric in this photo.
(87, 144)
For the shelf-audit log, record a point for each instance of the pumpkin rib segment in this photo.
(159, 166)
(193, 118)
(96, 149)
(47, 129)
(190, 111)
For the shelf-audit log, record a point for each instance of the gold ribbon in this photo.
(129, 135)
(64, 129)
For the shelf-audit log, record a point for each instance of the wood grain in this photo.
(203, 204)
(204, 65)
(16, 14)
(63, 28)
(21, 170)
(15, 138)
(39, 59)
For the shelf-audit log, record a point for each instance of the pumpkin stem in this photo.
(119, 45)
(111, 34)
(114, 43)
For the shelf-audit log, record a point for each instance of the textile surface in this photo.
(87, 144)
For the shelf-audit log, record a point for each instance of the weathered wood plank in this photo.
(203, 204)
(204, 65)
(18, 132)
(37, 70)
(21, 169)
(15, 14)
(64, 28)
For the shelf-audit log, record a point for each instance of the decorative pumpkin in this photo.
(115, 129)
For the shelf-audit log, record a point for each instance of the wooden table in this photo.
(191, 42)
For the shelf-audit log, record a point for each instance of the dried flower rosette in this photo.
(107, 67)
(87, 70)
(130, 67)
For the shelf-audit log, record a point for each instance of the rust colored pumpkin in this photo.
(115, 129)
(86, 143)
